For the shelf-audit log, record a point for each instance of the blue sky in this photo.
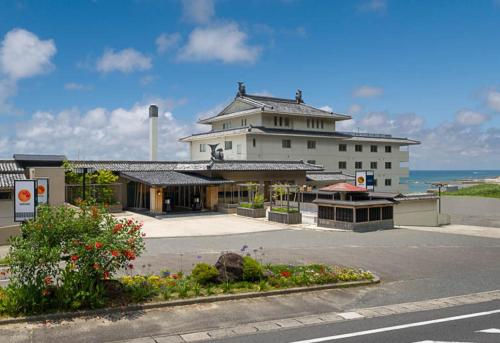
(76, 78)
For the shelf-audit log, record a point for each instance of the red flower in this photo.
(143, 234)
(98, 245)
(106, 275)
(175, 276)
(130, 221)
(88, 247)
(47, 280)
(115, 253)
(285, 273)
(74, 258)
(130, 255)
(117, 228)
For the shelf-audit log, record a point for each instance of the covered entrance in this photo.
(171, 191)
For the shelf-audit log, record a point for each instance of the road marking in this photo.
(489, 331)
(440, 342)
(350, 315)
(398, 327)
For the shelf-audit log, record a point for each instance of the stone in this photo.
(230, 267)
(268, 274)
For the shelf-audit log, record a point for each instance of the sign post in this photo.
(365, 179)
(25, 199)
(42, 191)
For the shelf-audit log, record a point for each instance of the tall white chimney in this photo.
(153, 132)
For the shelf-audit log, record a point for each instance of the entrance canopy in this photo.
(171, 178)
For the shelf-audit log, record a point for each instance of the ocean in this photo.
(420, 180)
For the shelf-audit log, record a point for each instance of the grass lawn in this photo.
(484, 190)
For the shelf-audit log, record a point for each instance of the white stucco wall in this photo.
(422, 212)
(233, 154)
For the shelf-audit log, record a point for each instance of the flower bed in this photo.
(251, 212)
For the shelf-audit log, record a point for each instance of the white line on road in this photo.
(398, 327)
(440, 342)
(489, 331)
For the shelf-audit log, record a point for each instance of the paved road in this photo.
(472, 210)
(456, 324)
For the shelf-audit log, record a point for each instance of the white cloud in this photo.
(467, 117)
(326, 108)
(198, 11)
(373, 6)
(368, 92)
(125, 61)
(100, 133)
(23, 54)
(493, 100)
(354, 109)
(224, 42)
(73, 86)
(166, 41)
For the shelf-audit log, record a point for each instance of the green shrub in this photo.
(63, 257)
(284, 210)
(204, 273)
(252, 270)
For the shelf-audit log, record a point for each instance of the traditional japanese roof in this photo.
(170, 178)
(343, 187)
(10, 171)
(328, 176)
(193, 166)
(354, 203)
(362, 137)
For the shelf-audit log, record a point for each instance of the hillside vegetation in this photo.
(483, 190)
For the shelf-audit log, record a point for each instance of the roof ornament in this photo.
(216, 154)
(298, 97)
(242, 91)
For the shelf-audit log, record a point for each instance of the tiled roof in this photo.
(170, 178)
(193, 166)
(342, 187)
(307, 133)
(10, 171)
(290, 106)
(328, 176)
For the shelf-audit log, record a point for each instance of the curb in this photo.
(182, 302)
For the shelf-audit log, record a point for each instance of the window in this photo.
(243, 122)
(238, 149)
(373, 148)
(287, 122)
(226, 126)
(311, 161)
(286, 143)
(387, 213)
(308, 123)
(275, 121)
(322, 124)
(375, 182)
(374, 213)
(388, 165)
(342, 147)
(326, 212)
(388, 148)
(254, 142)
(388, 182)
(281, 121)
(342, 165)
(358, 148)
(311, 144)
(361, 215)
(228, 145)
(344, 214)
(373, 165)
(203, 147)
(5, 195)
(358, 165)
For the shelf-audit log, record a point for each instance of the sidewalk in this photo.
(468, 230)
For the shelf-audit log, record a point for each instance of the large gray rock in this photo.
(230, 267)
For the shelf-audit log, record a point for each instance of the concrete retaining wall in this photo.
(418, 212)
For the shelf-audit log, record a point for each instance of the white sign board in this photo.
(365, 179)
(42, 191)
(24, 200)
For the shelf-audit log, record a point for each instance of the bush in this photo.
(63, 257)
(204, 273)
(252, 270)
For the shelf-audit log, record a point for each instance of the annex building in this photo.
(260, 128)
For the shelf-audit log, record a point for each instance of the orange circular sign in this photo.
(24, 195)
(361, 179)
(40, 189)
